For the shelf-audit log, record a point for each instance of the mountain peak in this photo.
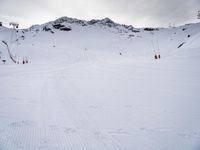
(107, 20)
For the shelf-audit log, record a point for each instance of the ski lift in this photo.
(9, 52)
(198, 15)
(14, 33)
(13, 37)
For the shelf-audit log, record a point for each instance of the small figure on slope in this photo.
(159, 56)
(26, 60)
(23, 62)
(156, 57)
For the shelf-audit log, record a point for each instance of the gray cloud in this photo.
(155, 12)
(138, 13)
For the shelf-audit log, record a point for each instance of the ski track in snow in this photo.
(82, 106)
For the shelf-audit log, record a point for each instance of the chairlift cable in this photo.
(153, 46)
(158, 47)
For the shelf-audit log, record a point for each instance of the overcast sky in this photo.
(139, 13)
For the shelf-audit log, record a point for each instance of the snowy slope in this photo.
(78, 93)
(102, 35)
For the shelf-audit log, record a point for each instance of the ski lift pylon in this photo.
(13, 38)
(198, 15)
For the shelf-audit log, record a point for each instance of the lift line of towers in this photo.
(15, 27)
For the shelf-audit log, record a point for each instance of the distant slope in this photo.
(99, 35)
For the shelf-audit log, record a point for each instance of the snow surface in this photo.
(78, 93)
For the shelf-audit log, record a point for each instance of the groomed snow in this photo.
(78, 93)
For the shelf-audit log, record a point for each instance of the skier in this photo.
(26, 60)
(159, 56)
(156, 57)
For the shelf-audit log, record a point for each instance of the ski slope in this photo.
(78, 93)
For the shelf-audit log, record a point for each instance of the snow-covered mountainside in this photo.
(95, 85)
(103, 35)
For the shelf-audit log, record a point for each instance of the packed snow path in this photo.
(120, 104)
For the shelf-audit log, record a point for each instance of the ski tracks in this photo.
(61, 123)
(93, 137)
